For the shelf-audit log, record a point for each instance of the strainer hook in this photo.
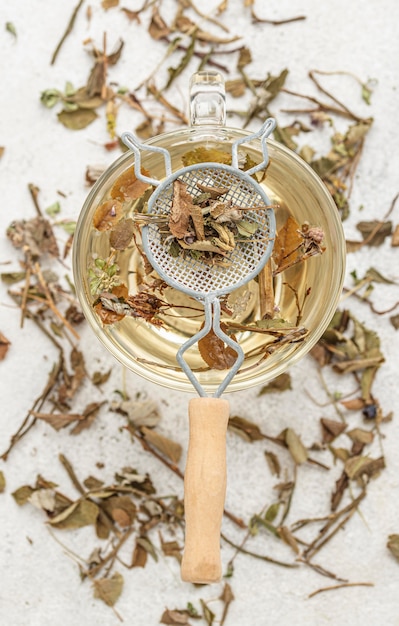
(263, 133)
(137, 147)
(212, 320)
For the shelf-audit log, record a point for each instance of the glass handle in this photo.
(207, 99)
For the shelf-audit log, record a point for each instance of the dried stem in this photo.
(341, 586)
(67, 31)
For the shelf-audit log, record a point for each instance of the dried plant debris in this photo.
(131, 522)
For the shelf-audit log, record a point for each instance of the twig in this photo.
(67, 31)
(341, 586)
(256, 555)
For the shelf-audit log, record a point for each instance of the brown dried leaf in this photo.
(107, 215)
(158, 28)
(356, 404)
(169, 448)
(122, 510)
(361, 436)
(4, 345)
(393, 545)
(139, 412)
(215, 352)
(273, 463)
(128, 187)
(86, 420)
(248, 430)
(287, 242)
(122, 234)
(278, 384)
(108, 589)
(180, 210)
(331, 429)
(381, 230)
(107, 316)
(395, 237)
(109, 4)
(35, 234)
(140, 555)
(58, 420)
(175, 618)
(394, 319)
(288, 538)
(357, 466)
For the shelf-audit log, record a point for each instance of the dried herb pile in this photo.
(133, 521)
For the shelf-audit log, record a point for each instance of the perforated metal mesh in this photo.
(192, 275)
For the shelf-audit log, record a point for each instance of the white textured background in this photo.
(40, 585)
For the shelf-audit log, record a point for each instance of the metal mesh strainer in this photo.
(205, 475)
(200, 280)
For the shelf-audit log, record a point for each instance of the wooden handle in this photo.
(205, 489)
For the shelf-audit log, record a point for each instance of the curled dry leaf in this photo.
(215, 352)
(393, 545)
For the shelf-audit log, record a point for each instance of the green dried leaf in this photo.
(22, 494)
(11, 29)
(12, 277)
(2, 482)
(53, 209)
(78, 514)
(76, 120)
(295, 446)
(108, 589)
(174, 72)
(208, 615)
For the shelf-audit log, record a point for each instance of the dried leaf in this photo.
(2, 482)
(22, 494)
(76, 120)
(158, 28)
(139, 412)
(279, 384)
(169, 448)
(180, 210)
(356, 404)
(140, 556)
(121, 509)
(122, 234)
(128, 187)
(360, 435)
(205, 155)
(295, 446)
(107, 215)
(78, 514)
(175, 618)
(36, 235)
(108, 589)
(357, 466)
(395, 237)
(208, 615)
(394, 319)
(287, 242)
(4, 345)
(331, 429)
(215, 352)
(288, 538)
(393, 545)
(367, 228)
(248, 430)
(109, 4)
(273, 463)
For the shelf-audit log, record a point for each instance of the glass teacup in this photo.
(300, 300)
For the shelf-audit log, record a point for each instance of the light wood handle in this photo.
(205, 489)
